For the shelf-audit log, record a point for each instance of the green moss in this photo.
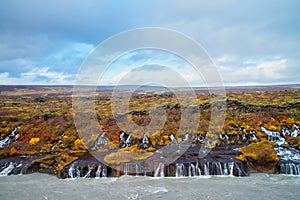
(123, 156)
(261, 153)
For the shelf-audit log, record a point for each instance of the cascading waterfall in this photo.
(192, 170)
(231, 165)
(289, 160)
(98, 172)
(10, 138)
(7, 169)
(206, 171)
(198, 169)
(180, 168)
(159, 172)
(88, 174)
(209, 168)
(21, 166)
(289, 168)
(71, 171)
(225, 169)
(125, 168)
(138, 169)
(289, 157)
(74, 171)
(104, 171)
(77, 172)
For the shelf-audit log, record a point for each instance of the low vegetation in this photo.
(45, 118)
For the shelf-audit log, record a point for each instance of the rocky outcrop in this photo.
(235, 155)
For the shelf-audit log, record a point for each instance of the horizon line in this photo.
(145, 85)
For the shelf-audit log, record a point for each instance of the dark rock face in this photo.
(18, 165)
(86, 167)
(219, 161)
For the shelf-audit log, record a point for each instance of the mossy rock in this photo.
(260, 156)
(260, 152)
(127, 155)
(57, 162)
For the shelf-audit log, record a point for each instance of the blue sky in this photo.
(251, 42)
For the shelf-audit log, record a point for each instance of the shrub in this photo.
(34, 141)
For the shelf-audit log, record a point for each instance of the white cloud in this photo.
(38, 76)
(264, 72)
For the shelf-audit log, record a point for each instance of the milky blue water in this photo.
(256, 186)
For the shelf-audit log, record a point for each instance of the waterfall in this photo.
(238, 169)
(219, 168)
(289, 132)
(209, 168)
(71, 171)
(192, 170)
(138, 169)
(21, 170)
(173, 139)
(198, 169)
(125, 169)
(7, 169)
(10, 138)
(289, 168)
(230, 166)
(101, 141)
(98, 172)
(77, 172)
(145, 139)
(206, 169)
(225, 169)
(275, 136)
(88, 174)
(180, 168)
(104, 171)
(289, 160)
(159, 172)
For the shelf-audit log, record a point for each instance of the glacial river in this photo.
(257, 186)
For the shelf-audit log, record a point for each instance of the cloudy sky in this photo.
(251, 42)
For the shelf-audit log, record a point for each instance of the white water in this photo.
(74, 171)
(180, 169)
(291, 160)
(191, 170)
(6, 170)
(159, 172)
(125, 168)
(88, 174)
(274, 136)
(278, 137)
(206, 172)
(289, 157)
(256, 186)
(98, 172)
(290, 168)
(9, 138)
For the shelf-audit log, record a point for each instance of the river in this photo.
(256, 186)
